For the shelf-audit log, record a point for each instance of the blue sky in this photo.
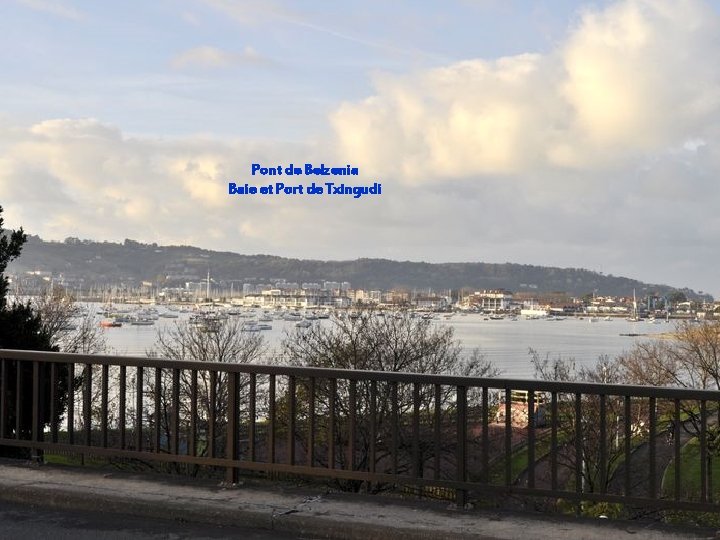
(123, 62)
(569, 134)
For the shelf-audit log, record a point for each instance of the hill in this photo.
(131, 262)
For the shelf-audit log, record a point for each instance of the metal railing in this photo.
(639, 446)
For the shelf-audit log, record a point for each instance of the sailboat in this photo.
(634, 317)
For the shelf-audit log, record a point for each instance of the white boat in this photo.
(533, 313)
(140, 321)
(303, 324)
(250, 328)
(634, 317)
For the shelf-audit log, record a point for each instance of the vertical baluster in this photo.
(311, 424)
(291, 420)
(373, 425)
(122, 383)
(554, 441)
(395, 425)
(252, 414)
(417, 464)
(652, 456)
(87, 410)
(192, 447)
(104, 405)
(54, 403)
(703, 452)
(71, 403)
(139, 409)
(531, 438)
(232, 449)
(175, 421)
(351, 425)
(579, 457)
(158, 413)
(485, 436)
(437, 431)
(35, 428)
(331, 423)
(508, 438)
(461, 428)
(603, 443)
(628, 444)
(271, 420)
(3, 398)
(212, 408)
(18, 397)
(676, 441)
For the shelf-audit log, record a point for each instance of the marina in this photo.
(506, 341)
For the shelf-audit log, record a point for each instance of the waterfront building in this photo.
(491, 300)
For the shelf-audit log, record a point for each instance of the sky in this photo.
(563, 133)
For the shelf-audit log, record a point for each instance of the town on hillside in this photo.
(279, 293)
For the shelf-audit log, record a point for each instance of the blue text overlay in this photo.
(312, 188)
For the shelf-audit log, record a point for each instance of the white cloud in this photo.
(207, 57)
(53, 7)
(631, 79)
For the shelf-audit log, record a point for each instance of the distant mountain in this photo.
(132, 262)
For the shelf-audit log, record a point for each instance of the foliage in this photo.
(10, 247)
(21, 327)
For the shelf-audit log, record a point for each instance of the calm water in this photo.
(504, 342)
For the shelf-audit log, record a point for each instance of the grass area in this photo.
(519, 460)
(75, 459)
(690, 473)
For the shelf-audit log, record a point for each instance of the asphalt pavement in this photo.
(26, 521)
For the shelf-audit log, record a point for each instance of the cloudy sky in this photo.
(558, 133)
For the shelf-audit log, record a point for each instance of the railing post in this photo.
(460, 493)
(311, 423)
(36, 409)
(71, 403)
(232, 449)
(3, 397)
(291, 412)
(87, 411)
(122, 412)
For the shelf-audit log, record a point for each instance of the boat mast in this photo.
(207, 293)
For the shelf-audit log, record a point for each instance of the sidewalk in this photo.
(309, 512)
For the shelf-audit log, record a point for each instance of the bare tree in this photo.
(690, 358)
(596, 474)
(376, 341)
(70, 329)
(222, 340)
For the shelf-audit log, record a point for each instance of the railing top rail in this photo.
(499, 383)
